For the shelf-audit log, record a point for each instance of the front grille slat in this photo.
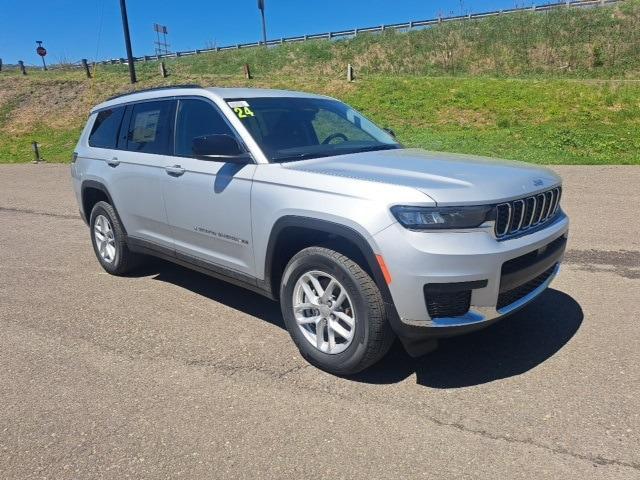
(540, 208)
(548, 198)
(523, 213)
(517, 216)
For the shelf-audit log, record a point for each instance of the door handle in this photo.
(175, 170)
(114, 162)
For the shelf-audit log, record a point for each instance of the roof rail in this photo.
(166, 87)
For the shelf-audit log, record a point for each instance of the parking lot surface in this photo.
(171, 374)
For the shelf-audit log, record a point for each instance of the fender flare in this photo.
(98, 186)
(325, 226)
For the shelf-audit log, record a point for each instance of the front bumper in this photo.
(416, 259)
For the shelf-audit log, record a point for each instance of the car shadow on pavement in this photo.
(507, 348)
(219, 291)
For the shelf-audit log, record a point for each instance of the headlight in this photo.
(438, 218)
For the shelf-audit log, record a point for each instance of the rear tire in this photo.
(341, 333)
(110, 242)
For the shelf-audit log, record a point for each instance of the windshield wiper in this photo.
(297, 156)
(373, 148)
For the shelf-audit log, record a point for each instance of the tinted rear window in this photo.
(150, 127)
(105, 129)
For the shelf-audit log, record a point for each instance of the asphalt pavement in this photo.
(171, 374)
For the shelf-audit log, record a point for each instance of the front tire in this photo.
(334, 311)
(109, 241)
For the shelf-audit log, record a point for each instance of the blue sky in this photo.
(75, 29)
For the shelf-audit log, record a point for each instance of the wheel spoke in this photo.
(316, 285)
(312, 297)
(308, 320)
(320, 333)
(345, 318)
(340, 300)
(329, 290)
(340, 330)
(332, 338)
(304, 306)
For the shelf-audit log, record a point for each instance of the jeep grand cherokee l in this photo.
(301, 198)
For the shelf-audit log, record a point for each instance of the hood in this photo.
(448, 178)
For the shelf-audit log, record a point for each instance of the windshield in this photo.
(289, 128)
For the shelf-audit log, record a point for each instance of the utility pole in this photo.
(264, 25)
(127, 40)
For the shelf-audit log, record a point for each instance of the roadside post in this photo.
(21, 65)
(350, 75)
(85, 65)
(40, 50)
(36, 152)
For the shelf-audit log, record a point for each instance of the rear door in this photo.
(208, 201)
(144, 145)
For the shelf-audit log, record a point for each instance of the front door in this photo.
(208, 202)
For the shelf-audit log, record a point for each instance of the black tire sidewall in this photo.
(344, 362)
(103, 210)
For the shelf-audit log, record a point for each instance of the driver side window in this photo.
(327, 123)
(197, 118)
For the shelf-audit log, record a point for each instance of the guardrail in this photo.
(406, 26)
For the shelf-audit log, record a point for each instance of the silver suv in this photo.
(302, 199)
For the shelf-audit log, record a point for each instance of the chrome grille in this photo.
(519, 215)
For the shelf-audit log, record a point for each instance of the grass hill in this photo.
(556, 87)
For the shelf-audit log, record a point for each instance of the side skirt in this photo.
(230, 276)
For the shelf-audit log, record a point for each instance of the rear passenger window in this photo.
(150, 127)
(104, 133)
(197, 118)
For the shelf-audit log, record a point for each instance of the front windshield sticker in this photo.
(241, 108)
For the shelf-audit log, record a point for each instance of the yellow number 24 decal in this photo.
(243, 112)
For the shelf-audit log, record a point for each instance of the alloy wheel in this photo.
(105, 239)
(324, 312)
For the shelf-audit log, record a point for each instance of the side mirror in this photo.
(390, 132)
(219, 147)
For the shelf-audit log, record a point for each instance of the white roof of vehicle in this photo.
(220, 92)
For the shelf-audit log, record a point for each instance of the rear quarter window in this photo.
(104, 133)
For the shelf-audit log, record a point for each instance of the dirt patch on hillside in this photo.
(57, 104)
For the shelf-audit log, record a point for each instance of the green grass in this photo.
(544, 88)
